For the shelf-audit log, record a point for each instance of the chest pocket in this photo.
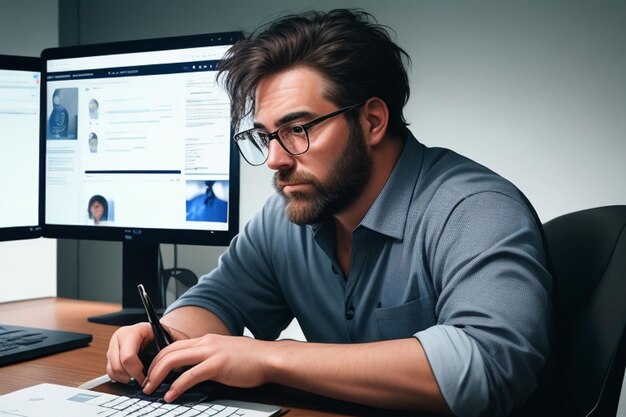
(406, 319)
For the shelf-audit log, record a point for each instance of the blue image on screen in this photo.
(207, 201)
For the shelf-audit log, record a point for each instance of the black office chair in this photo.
(588, 253)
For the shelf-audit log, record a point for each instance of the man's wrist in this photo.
(276, 359)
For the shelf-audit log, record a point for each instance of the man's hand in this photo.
(127, 342)
(234, 361)
(123, 354)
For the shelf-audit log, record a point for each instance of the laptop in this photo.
(46, 400)
(20, 343)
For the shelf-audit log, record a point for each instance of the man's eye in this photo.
(296, 130)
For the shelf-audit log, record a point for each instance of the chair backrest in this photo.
(588, 253)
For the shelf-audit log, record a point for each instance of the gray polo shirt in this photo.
(448, 253)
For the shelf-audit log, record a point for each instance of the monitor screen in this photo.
(20, 79)
(138, 147)
(138, 142)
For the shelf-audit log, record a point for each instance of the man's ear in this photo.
(375, 120)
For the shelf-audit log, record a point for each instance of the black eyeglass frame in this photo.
(242, 136)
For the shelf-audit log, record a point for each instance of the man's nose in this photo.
(277, 157)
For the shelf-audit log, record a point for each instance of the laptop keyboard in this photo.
(20, 343)
(12, 339)
(136, 407)
(137, 404)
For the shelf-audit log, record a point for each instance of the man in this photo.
(417, 276)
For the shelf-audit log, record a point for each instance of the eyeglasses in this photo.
(254, 144)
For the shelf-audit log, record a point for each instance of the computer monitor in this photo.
(138, 149)
(20, 79)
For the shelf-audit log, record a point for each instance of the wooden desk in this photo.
(74, 367)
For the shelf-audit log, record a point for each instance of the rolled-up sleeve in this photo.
(493, 309)
(460, 372)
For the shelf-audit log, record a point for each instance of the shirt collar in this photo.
(388, 213)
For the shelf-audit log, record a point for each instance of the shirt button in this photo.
(350, 313)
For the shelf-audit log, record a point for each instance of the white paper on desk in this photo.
(49, 400)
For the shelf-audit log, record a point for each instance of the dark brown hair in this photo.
(348, 47)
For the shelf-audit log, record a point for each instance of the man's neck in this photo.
(384, 159)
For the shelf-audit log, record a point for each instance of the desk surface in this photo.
(74, 367)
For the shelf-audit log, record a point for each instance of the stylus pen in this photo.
(161, 337)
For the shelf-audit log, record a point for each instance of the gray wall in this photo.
(535, 90)
(28, 26)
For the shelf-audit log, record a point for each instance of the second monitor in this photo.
(138, 149)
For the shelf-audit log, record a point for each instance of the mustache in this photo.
(282, 178)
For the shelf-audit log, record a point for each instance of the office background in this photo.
(535, 90)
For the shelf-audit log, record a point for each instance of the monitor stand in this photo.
(140, 265)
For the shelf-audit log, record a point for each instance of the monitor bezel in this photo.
(32, 64)
(140, 234)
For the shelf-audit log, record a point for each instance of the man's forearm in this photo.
(190, 322)
(390, 374)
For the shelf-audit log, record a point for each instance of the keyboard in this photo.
(135, 407)
(19, 343)
(47, 400)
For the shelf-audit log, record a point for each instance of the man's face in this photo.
(332, 173)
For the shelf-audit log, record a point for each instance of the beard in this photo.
(347, 178)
